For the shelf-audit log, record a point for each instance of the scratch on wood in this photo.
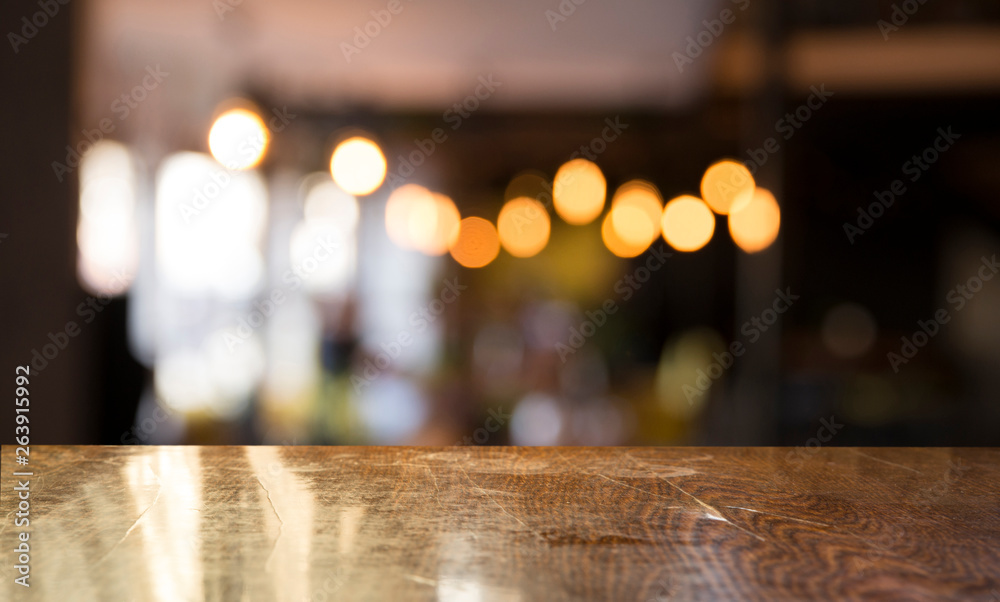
(281, 525)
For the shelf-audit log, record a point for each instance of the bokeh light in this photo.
(209, 227)
(323, 245)
(478, 243)
(680, 391)
(531, 184)
(358, 165)
(398, 209)
(579, 190)
(107, 235)
(434, 225)
(291, 369)
(327, 202)
(523, 227)
(211, 377)
(615, 244)
(633, 225)
(238, 139)
(537, 420)
(755, 226)
(635, 213)
(688, 223)
(848, 330)
(323, 256)
(392, 409)
(420, 220)
(727, 186)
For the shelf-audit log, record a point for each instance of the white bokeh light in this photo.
(106, 233)
(209, 223)
(238, 139)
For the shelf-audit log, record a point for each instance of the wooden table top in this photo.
(491, 523)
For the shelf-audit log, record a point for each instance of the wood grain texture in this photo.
(488, 523)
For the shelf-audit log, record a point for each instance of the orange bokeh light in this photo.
(727, 186)
(579, 190)
(688, 223)
(523, 227)
(615, 244)
(478, 243)
(755, 226)
(418, 219)
(635, 213)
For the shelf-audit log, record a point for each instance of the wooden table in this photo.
(489, 523)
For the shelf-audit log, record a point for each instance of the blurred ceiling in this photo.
(426, 57)
(547, 55)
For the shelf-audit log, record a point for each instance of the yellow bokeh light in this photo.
(755, 226)
(531, 184)
(615, 244)
(635, 213)
(418, 219)
(478, 243)
(523, 227)
(398, 209)
(358, 165)
(688, 223)
(633, 225)
(434, 226)
(238, 139)
(727, 186)
(579, 190)
(633, 185)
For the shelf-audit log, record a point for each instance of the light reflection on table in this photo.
(471, 524)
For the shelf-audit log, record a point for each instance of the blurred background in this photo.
(458, 222)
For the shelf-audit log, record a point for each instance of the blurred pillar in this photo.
(39, 294)
(753, 399)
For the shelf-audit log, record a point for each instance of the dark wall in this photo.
(38, 290)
